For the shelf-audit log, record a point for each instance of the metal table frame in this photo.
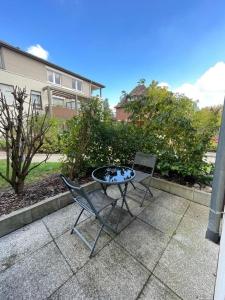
(123, 192)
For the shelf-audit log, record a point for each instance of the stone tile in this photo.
(74, 249)
(191, 232)
(198, 212)
(161, 218)
(70, 290)
(137, 196)
(63, 219)
(125, 219)
(144, 242)
(114, 192)
(21, 242)
(156, 290)
(35, 277)
(189, 272)
(112, 274)
(174, 203)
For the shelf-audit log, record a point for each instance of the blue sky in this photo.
(117, 42)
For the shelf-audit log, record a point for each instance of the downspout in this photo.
(218, 187)
(220, 278)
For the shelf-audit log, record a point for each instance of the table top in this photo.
(113, 174)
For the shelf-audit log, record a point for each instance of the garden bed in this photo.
(33, 193)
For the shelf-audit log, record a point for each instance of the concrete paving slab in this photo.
(160, 218)
(125, 219)
(191, 232)
(156, 290)
(35, 277)
(112, 274)
(190, 273)
(174, 203)
(198, 212)
(70, 290)
(63, 219)
(19, 243)
(137, 196)
(144, 242)
(73, 248)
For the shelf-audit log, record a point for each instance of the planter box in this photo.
(26, 215)
(188, 193)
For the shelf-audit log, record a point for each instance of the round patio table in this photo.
(115, 175)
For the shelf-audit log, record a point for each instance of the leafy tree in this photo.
(108, 113)
(24, 133)
(141, 81)
(170, 131)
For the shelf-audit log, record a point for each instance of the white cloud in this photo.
(37, 50)
(209, 88)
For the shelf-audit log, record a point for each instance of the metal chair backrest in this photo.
(78, 193)
(145, 159)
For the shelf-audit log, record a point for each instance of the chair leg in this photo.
(100, 230)
(133, 185)
(95, 242)
(77, 220)
(146, 191)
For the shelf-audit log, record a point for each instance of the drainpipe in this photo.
(218, 188)
(220, 278)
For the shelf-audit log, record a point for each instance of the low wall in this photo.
(191, 194)
(24, 216)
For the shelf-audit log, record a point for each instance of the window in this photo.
(71, 104)
(57, 101)
(77, 85)
(36, 99)
(7, 90)
(54, 77)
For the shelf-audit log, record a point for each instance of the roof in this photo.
(52, 65)
(139, 90)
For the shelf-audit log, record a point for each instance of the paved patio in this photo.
(161, 253)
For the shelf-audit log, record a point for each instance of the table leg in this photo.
(104, 187)
(123, 194)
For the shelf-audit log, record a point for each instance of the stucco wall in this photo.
(21, 65)
(24, 82)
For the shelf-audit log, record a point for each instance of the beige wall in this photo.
(19, 64)
(23, 82)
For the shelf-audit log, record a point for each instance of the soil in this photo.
(33, 193)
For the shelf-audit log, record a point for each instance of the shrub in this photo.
(2, 144)
(52, 141)
(169, 129)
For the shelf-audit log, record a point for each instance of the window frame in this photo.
(39, 107)
(75, 80)
(59, 98)
(9, 85)
(53, 77)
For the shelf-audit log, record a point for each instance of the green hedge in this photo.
(93, 139)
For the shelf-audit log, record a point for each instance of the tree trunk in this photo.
(19, 186)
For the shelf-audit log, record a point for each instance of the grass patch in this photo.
(42, 171)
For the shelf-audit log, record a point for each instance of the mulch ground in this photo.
(33, 193)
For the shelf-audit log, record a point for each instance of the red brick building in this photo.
(139, 91)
